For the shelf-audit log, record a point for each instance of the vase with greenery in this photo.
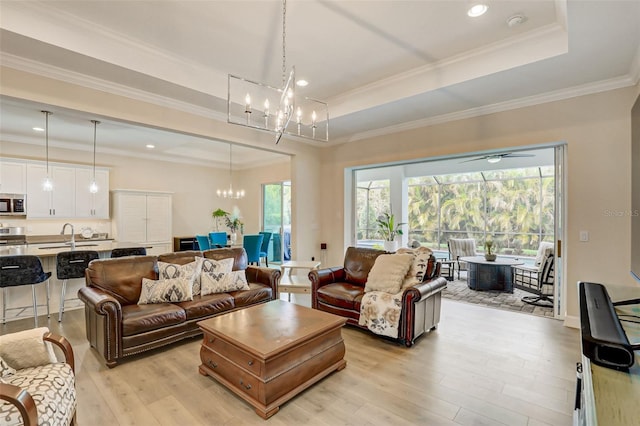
(488, 254)
(388, 230)
(235, 224)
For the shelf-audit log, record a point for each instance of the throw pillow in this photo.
(189, 271)
(5, 369)
(27, 349)
(165, 291)
(419, 266)
(223, 282)
(388, 272)
(215, 268)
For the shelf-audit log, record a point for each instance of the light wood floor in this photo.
(481, 367)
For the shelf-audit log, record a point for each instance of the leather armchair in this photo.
(339, 290)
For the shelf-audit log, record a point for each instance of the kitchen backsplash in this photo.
(52, 227)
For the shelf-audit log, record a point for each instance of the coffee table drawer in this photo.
(240, 357)
(235, 376)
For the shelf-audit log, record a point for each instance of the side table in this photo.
(296, 288)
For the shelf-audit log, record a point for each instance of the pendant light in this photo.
(47, 183)
(229, 193)
(93, 187)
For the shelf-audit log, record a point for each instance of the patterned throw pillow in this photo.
(418, 270)
(214, 268)
(189, 271)
(165, 291)
(223, 282)
(5, 369)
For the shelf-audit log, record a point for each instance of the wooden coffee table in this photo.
(269, 353)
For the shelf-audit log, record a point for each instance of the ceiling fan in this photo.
(494, 158)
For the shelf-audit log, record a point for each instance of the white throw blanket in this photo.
(380, 312)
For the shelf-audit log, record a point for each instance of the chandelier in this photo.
(278, 110)
(230, 193)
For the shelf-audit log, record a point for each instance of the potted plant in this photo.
(217, 216)
(489, 255)
(388, 229)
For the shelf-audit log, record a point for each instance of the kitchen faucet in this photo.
(73, 234)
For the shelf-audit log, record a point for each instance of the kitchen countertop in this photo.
(52, 249)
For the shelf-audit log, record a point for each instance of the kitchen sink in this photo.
(67, 246)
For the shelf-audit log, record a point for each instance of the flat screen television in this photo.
(635, 190)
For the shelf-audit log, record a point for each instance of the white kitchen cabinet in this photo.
(88, 205)
(13, 177)
(58, 203)
(142, 217)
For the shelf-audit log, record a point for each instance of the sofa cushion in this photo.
(26, 349)
(166, 291)
(121, 277)
(238, 255)
(202, 306)
(142, 318)
(52, 388)
(340, 294)
(255, 294)
(388, 273)
(357, 264)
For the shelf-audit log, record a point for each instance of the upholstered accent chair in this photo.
(252, 245)
(264, 247)
(461, 247)
(36, 388)
(538, 279)
(218, 239)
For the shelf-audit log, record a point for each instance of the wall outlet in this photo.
(323, 246)
(584, 236)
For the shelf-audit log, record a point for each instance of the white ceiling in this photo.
(382, 66)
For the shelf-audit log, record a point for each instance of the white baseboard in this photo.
(572, 321)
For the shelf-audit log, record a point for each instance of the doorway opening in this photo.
(276, 218)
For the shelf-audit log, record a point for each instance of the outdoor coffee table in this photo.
(490, 275)
(269, 353)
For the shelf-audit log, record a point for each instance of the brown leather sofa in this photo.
(339, 290)
(118, 327)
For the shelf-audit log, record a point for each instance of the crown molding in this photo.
(67, 76)
(558, 95)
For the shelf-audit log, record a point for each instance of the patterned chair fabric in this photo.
(129, 251)
(50, 386)
(461, 247)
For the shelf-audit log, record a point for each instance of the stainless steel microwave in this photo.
(13, 205)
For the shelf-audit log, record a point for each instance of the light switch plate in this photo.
(584, 236)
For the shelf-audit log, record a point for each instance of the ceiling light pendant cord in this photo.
(230, 170)
(93, 186)
(284, 42)
(47, 185)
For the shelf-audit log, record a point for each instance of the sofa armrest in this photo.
(103, 323)
(64, 345)
(322, 277)
(22, 400)
(267, 276)
(416, 292)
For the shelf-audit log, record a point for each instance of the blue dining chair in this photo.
(264, 248)
(252, 245)
(203, 242)
(218, 239)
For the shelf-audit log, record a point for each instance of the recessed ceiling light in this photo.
(38, 129)
(477, 10)
(150, 146)
(302, 83)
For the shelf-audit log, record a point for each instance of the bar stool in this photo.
(70, 265)
(129, 251)
(22, 270)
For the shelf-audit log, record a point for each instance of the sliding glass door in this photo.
(276, 218)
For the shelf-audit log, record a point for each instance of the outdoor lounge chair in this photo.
(460, 247)
(537, 279)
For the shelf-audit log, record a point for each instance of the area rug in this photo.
(458, 290)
